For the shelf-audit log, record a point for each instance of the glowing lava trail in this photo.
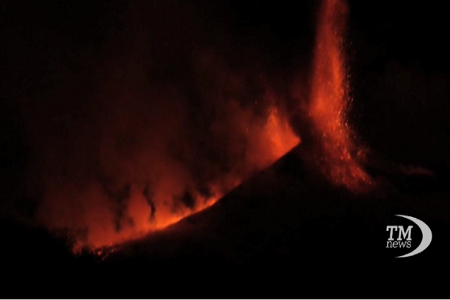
(330, 99)
(143, 210)
(155, 154)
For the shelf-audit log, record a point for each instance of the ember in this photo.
(338, 153)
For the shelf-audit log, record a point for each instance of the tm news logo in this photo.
(399, 237)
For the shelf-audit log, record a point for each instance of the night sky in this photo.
(65, 65)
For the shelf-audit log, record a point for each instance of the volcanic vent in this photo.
(330, 140)
(154, 149)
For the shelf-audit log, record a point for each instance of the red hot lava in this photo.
(330, 99)
(157, 162)
(151, 156)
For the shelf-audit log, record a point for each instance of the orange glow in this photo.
(91, 216)
(330, 99)
(152, 167)
(105, 235)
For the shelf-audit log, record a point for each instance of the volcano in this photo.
(289, 212)
(288, 218)
(171, 149)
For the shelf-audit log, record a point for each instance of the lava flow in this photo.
(151, 150)
(148, 188)
(330, 99)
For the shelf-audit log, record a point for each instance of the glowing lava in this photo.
(146, 211)
(148, 160)
(330, 99)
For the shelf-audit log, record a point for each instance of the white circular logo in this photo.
(426, 236)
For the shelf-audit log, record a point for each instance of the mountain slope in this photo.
(290, 213)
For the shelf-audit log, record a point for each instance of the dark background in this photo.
(398, 57)
(398, 61)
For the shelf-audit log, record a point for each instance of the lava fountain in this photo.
(337, 152)
(149, 153)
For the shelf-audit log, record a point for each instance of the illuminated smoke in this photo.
(149, 154)
(161, 134)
